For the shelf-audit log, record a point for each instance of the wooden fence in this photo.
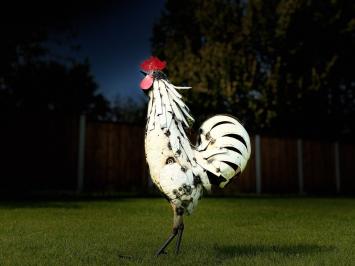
(115, 161)
(45, 155)
(114, 158)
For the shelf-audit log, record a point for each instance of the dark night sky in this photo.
(114, 35)
(116, 41)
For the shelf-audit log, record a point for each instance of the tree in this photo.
(129, 110)
(33, 81)
(268, 63)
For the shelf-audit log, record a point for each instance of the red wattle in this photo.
(147, 82)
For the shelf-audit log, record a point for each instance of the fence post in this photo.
(257, 164)
(300, 166)
(337, 166)
(81, 152)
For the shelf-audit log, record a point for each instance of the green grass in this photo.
(239, 231)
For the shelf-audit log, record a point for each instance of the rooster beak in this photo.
(143, 73)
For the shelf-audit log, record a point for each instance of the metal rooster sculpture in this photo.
(180, 170)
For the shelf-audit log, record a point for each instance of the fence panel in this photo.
(41, 153)
(347, 168)
(279, 165)
(114, 157)
(319, 167)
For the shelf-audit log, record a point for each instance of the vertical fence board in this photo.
(279, 165)
(347, 167)
(300, 166)
(319, 167)
(246, 182)
(115, 156)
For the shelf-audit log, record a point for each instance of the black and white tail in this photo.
(223, 148)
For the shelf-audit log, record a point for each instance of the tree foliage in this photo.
(129, 110)
(281, 66)
(33, 82)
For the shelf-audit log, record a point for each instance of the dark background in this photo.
(284, 68)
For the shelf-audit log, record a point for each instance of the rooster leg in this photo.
(166, 243)
(179, 237)
(178, 228)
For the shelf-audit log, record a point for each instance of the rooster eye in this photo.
(159, 75)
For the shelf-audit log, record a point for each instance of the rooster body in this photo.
(180, 170)
(170, 156)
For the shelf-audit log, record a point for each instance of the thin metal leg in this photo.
(178, 241)
(178, 228)
(166, 243)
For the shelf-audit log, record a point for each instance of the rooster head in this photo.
(152, 69)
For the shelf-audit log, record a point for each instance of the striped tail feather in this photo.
(223, 148)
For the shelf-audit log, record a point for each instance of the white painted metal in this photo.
(171, 88)
(182, 88)
(165, 96)
(231, 126)
(150, 104)
(211, 152)
(162, 118)
(174, 138)
(231, 142)
(231, 157)
(157, 98)
(151, 118)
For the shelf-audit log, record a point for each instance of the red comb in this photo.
(153, 63)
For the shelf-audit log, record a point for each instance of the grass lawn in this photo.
(238, 231)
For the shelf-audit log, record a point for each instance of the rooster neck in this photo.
(169, 114)
(166, 107)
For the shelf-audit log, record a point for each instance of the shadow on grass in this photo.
(256, 250)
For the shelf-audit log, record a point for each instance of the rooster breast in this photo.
(157, 153)
(173, 178)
